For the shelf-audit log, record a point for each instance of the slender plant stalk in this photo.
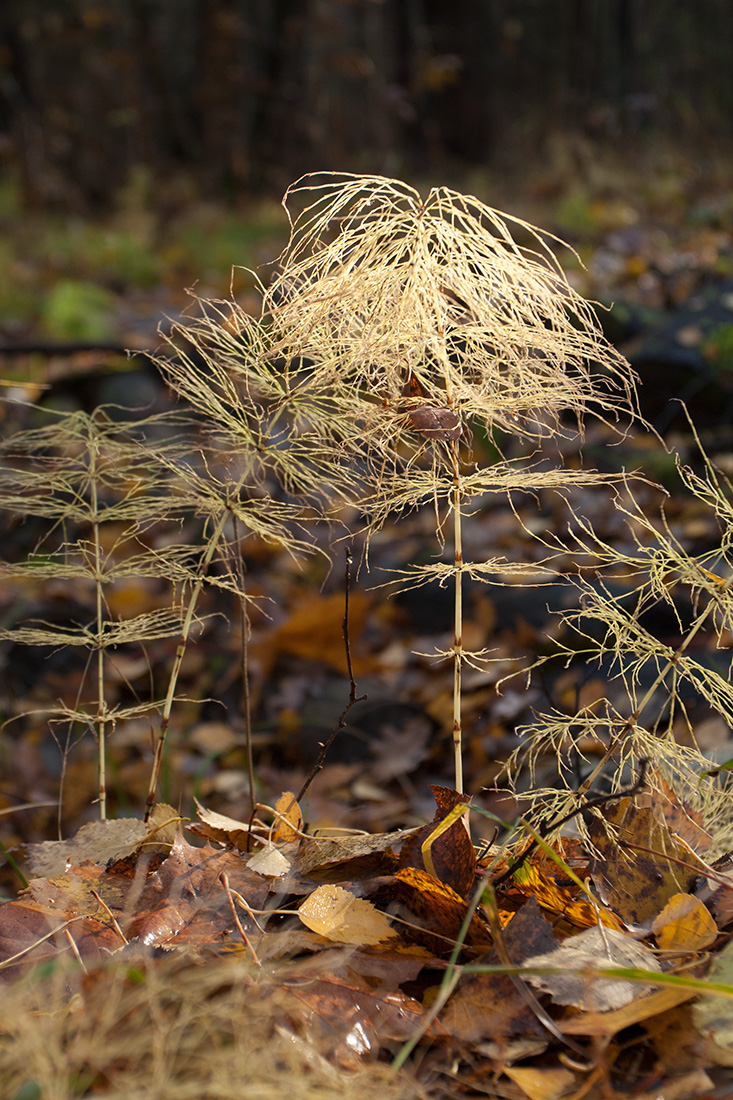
(244, 626)
(100, 722)
(457, 621)
(178, 660)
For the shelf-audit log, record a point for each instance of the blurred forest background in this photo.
(248, 94)
(145, 145)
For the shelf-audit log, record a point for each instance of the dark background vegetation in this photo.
(239, 95)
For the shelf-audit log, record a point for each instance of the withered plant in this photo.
(159, 498)
(427, 321)
(659, 687)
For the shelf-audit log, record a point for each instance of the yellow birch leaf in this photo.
(269, 861)
(338, 915)
(684, 924)
(289, 825)
(547, 1083)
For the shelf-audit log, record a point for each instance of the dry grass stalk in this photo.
(178, 1029)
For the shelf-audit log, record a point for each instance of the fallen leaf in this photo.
(184, 902)
(97, 842)
(338, 915)
(443, 848)
(289, 824)
(543, 880)
(490, 1005)
(543, 1083)
(589, 952)
(350, 1022)
(643, 1008)
(639, 864)
(350, 855)
(684, 924)
(314, 631)
(697, 1085)
(39, 922)
(269, 861)
(433, 911)
(227, 830)
(103, 842)
(713, 1015)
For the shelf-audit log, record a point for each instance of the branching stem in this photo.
(353, 698)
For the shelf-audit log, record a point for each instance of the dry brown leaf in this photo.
(433, 911)
(57, 905)
(184, 902)
(99, 842)
(684, 924)
(589, 952)
(692, 1086)
(641, 864)
(489, 1005)
(643, 1008)
(338, 915)
(104, 842)
(443, 848)
(349, 1022)
(314, 631)
(227, 830)
(351, 854)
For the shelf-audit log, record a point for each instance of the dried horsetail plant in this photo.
(424, 319)
(92, 490)
(270, 460)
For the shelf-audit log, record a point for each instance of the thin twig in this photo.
(225, 883)
(112, 917)
(318, 766)
(590, 804)
(75, 950)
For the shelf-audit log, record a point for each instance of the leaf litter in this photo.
(380, 935)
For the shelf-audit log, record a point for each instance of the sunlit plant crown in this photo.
(379, 287)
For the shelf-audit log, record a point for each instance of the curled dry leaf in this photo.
(336, 914)
(588, 953)
(684, 924)
(443, 848)
(289, 823)
(227, 830)
(104, 842)
(435, 423)
(352, 855)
